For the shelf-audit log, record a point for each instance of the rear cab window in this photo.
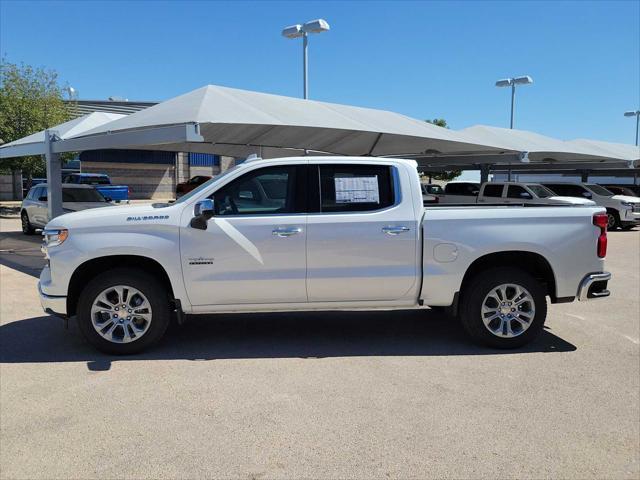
(354, 188)
(493, 190)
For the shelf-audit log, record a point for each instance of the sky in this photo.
(423, 59)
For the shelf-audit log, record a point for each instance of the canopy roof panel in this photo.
(627, 152)
(34, 144)
(235, 122)
(539, 147)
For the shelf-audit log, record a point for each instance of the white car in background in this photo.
(622, 211)
(525, 193)
(34, 213)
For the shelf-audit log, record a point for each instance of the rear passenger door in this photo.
(491, 193)
(361, 235)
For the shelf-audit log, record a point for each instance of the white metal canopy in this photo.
(238, 122)
(34, 144)
(540, 148)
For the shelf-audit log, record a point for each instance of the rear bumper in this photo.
(53, 305)
(593, 286)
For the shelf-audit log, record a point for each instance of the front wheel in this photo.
(503, 308)
(123, 311)
(613, 220)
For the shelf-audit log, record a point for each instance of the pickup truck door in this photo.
(253, 250)
(361, 234)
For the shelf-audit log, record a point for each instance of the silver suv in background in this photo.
(622, 211)
(34, 212)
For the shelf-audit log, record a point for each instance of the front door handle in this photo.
(286, 231)
(395, 230)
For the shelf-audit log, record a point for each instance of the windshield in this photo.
(540, 191)
(204, 186)
(598, 190)
(82, 195)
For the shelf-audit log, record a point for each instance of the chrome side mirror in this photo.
(202, 211)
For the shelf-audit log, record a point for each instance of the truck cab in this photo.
(524, 193)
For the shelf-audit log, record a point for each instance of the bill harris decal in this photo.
(147, 218)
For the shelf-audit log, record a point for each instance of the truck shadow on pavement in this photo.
(22, 252)
(310, 335)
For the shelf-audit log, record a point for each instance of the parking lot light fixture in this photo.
(512, 82)
(637, 115)
(296, 31)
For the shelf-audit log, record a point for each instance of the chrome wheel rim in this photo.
(25, 223)
(121, 314)
(611, 221)
(508, 310)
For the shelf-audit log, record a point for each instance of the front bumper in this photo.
(53, 305)
(593, 286)
(630, 215)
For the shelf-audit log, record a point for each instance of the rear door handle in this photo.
(395, 230)
(286, 231)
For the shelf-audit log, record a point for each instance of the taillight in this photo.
(600, 220)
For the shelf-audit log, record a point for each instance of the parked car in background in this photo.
(527, 193)
(26, 185)
(622, 211)
(100, 182)
(34, 213)
(431, 194)
(190, 184)
(432, 189)
(319, 233)
(460, 192)
(620, 190)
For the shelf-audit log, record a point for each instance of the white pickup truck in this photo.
(318, 233)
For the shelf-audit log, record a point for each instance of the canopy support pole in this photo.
(54, 177)
(584, 176)
(484, 173)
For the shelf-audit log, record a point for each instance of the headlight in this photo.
(54, 237)
(627, 204)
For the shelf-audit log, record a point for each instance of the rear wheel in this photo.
(123, 311)
(27, 228)
(503, 308)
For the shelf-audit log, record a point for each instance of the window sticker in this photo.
(357, 189)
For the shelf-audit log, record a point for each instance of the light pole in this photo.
(637, 115)
(295, 31)
(512, 82)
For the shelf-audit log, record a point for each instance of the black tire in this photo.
(27, 228)
(151, 288)
(473, 298)
(613, 220)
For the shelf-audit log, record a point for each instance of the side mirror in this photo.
(43, 198)
(587, 195)
(526, 195)
(108, 199)
(202, 212)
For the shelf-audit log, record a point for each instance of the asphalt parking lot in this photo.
(321, 395)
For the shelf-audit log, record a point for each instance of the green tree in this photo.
(446, 175)
(30, 101)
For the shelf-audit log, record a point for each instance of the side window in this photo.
(516, 191)
(493, 190)
(40, 192)
(266, 191)
(355, 188)
(465, 189)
